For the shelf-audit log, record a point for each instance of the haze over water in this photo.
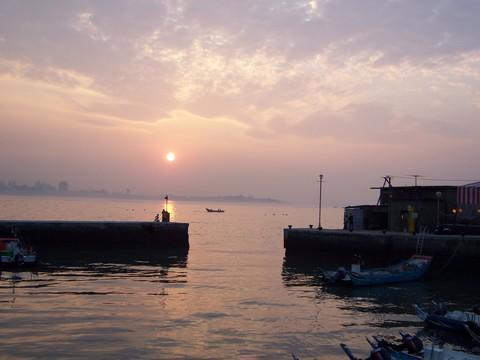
(234, 295)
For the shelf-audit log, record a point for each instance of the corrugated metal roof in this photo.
(475, 184)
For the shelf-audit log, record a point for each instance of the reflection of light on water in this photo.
(13, 279)
(172, 209)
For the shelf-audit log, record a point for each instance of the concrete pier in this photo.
(97, 235)
(455, 248)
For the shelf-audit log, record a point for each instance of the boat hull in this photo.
(407, 271)
(24, 260)
(448, 323)
(368, 280)
(396, 351)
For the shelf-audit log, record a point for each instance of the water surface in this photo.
(233, 295)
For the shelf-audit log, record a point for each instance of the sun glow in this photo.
(170, 157)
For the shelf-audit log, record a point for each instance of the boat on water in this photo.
(405, 271)
(215, 210)
(12, 252)
(462, 322)
(409, 347)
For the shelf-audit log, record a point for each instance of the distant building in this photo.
(418, 208)
(42, 186)
(63, 186)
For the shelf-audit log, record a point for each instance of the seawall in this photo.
(442, 247)
(98, 235)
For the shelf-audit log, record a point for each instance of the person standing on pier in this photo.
(350, 222)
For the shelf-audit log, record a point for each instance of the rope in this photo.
(453, 255)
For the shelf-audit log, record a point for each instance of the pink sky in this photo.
(254, 98)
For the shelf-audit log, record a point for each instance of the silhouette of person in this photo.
(350, 222)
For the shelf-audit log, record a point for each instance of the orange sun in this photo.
(170, 157)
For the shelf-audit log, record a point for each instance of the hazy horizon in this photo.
(254, 98)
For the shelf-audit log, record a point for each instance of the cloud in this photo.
(64, 91)
(203, 68)
(378, 123)
(299, 61)
(84, 24)
(367, 122)
(294, 57)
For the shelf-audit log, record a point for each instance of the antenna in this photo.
(387, 180)
(415, 176)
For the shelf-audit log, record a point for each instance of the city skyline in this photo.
(11, 187)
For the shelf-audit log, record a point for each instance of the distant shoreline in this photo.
(106, 195)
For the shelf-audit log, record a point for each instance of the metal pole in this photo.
(320, 205)
(438, 194)
(438, 211)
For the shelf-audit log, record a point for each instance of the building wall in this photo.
(419, 203)
(365, 217)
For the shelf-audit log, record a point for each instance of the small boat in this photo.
(408, 270)
(408, 348)
(13, 253)
(463, 322)
(215, 210)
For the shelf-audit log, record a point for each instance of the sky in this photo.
(255, 97)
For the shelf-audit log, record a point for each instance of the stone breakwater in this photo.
(452, 248)
(97, 235)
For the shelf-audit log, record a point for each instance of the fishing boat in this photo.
(214, 210)
(405, 271)
(462, 322)
(408, 348)
(12, 252)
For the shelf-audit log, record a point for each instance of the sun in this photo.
(170, 157)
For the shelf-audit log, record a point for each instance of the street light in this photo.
(438, 194)
(320, 204)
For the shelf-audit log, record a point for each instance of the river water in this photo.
(234, 295)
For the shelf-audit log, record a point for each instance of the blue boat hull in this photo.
(409, 270)
(361, 280)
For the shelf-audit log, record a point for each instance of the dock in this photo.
(97, 235)
(444, 248)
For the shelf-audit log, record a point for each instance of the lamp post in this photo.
(320, 204)
(438, 194)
